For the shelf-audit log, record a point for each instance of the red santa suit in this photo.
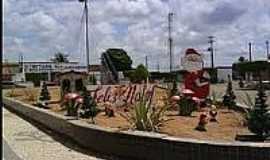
(197, 80)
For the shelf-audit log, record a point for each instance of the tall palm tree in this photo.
(60, 58)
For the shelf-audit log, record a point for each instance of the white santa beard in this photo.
(192, 66)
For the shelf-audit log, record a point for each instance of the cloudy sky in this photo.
(39, 28)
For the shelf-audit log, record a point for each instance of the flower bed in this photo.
(230, 123)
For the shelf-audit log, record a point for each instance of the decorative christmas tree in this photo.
(44, 94)
(259, 116)
(89, 106)
(229, 97)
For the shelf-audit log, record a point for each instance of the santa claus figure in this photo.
(196, 79)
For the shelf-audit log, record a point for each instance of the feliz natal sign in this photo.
(128, 94)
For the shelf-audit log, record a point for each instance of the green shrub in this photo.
(139, 74)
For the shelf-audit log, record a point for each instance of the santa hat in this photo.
(191, 51)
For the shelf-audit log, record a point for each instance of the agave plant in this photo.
(145, 117)
(248, 100)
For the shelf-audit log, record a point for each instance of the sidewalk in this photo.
(25, 141)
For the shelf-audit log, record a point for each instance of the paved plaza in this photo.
(24, 141)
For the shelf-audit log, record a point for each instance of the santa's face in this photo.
(192, 62)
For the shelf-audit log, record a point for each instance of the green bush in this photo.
(139, 74)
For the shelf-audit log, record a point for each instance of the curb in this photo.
(135, 144)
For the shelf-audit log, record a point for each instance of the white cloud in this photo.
(139, 26)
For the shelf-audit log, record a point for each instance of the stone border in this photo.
(137, 144)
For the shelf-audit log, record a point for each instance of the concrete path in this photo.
(23, 140)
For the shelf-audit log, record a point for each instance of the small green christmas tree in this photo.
(229, 97)
(259, 116)
(44, 94)
(89, 106)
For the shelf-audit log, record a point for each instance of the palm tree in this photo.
(60, 58)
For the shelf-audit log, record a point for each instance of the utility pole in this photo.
(267, 50)
(249, 46)
(146, 62)
(86, 33)
(170, 39)
(158, 67)
(21, 62)
(211, 49)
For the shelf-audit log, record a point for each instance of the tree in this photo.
(60, 58)
(229, 97)
(119, 58)
(259, 116)
(141, 73)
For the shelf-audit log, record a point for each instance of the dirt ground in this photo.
(229, 123)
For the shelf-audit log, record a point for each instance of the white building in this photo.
(48, 66)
